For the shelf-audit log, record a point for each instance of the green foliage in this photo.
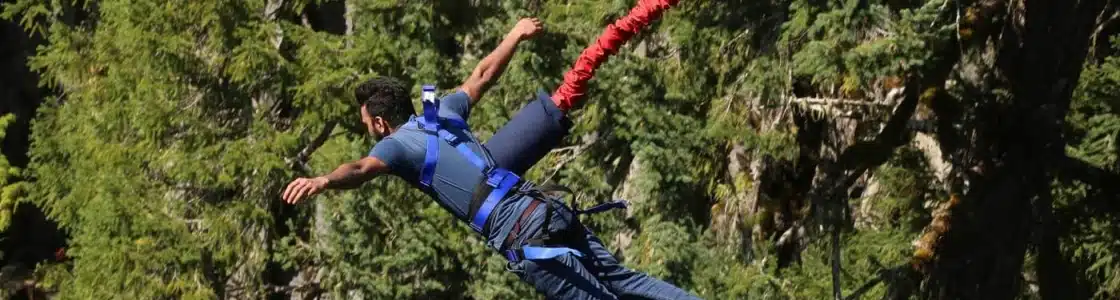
(904, 185)
(719, 277)
(1094, 130)
(160, 160)
(165, 151)
(11, 190)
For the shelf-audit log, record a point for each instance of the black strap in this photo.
(481, 191)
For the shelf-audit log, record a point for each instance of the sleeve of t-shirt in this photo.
(388, 151)
(456, 105)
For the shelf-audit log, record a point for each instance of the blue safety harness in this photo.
(500, 181)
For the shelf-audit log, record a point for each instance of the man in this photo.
(542, 238)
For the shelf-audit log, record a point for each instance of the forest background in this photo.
(772, 149)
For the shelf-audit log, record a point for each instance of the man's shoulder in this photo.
(457, 105)
(458, 95)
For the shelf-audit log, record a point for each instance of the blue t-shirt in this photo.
(455, 177)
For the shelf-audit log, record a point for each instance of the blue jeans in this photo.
(534, 131)
(596, 275)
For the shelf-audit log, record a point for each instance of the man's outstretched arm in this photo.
(491, 67)
(347, 176)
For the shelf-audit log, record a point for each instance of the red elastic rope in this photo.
(608, 43)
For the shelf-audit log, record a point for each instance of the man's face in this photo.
(376, 126)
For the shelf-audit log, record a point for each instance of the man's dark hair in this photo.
(387, 98)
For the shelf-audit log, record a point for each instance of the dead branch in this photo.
(299, 162)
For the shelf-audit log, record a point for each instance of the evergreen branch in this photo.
(555, 170)
(300, 161)
(575, 151)
(864, 288)
(889, 276)
(1076, 169)
(727, 44)
(565, 149)
(1104, 21)
(834, 101)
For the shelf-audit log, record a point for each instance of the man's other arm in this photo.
(491, 67)
(347, 176)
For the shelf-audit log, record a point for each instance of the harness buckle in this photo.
(513, 256)
(428, 93)
(452, 139)
(496, 176)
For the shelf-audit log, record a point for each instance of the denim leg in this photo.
(562, 277)
(619, 280)
(530, 135)
(622, 281)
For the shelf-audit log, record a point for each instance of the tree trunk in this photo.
(981, 256)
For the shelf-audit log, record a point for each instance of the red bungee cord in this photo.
(608, 43)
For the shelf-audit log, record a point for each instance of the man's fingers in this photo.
(312, 190)
(288, 190)
(291, 195)
(299, 193)
(299, 189)
(306, 190)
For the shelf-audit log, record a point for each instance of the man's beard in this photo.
(377, 137)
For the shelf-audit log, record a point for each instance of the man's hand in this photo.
(304, 187)
(526, 28)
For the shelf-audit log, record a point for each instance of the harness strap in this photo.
(538, 253)
(603, 207)
(431, 125)
(516, 231)
(502, 180)
(463, 149)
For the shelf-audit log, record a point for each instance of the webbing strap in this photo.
(603, 207)
(538, 253)
(502, 180)
(454, 123)
(463, 149)
(431, 124)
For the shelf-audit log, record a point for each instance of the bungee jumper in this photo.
(436, 152)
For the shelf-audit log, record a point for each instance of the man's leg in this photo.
(541, 125)
(564, 228)
(533, 132)
(622, 281)
(562, 277)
